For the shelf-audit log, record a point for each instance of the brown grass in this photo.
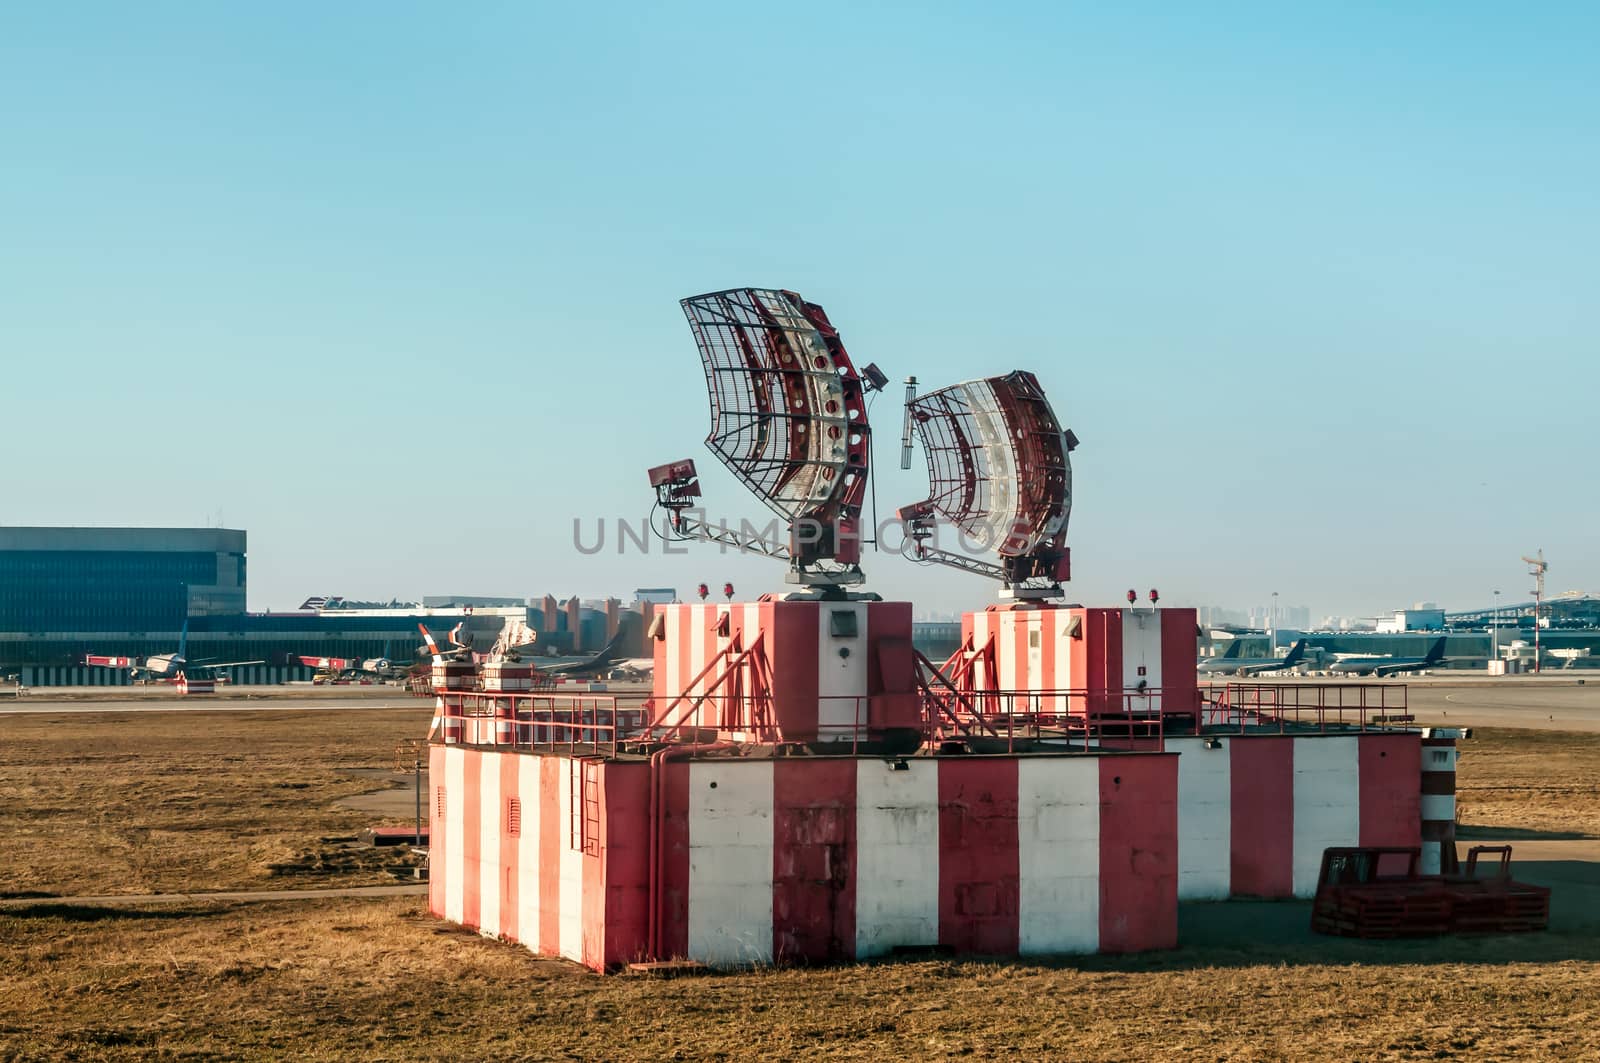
(1536, 781)
(168, 802)
(379, 980)
(200, 802)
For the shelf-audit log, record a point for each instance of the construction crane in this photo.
(1537, 566)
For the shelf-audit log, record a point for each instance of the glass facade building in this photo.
(118, 579)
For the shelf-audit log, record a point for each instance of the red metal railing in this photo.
(1303, 706)
(573, 723)
(983, 721)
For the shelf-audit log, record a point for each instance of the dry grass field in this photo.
(184, 801)
(205, 801)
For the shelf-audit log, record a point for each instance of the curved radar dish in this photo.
(788, 417)
(999, 471)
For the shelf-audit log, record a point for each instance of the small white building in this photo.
(1411, 620)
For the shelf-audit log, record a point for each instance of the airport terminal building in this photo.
(67, 592)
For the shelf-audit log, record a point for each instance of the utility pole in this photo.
(1537, 567)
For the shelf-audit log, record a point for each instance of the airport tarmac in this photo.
(1547, 702)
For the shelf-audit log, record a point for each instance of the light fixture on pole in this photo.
(1494, 654)
(1272, 627)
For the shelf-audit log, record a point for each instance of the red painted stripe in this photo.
(813, 860)
(438, 837)
(472, 840)
(1262, 824)
(509, 887)
(552, 837)
(979, 876)
(675, 861)
(1179, 681)
(795, 668)
(1138, 853)
(1391, 806)
(625, 847)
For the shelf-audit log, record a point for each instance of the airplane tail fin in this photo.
(1235, 646)
(1435, 652)
(183, 639)
(1295, 655)
(433, 647)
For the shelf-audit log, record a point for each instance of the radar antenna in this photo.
(999, 471)
(789, 418)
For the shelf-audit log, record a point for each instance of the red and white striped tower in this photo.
(1439, 798)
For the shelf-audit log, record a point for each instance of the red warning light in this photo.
(1154, 596)
(1133, 596)
(727, 591)
(702, 591)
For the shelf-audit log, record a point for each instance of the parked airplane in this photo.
(1382, 666)
(165, 665)
(1229, 654)
(352, 667)
(595, 664)
(1253, 665)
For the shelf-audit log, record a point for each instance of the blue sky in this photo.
(1314, 285)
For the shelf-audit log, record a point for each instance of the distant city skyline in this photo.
(399, 294)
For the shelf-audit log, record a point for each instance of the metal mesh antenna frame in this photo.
(788, 414)
(999, 471)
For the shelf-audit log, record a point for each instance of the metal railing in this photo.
(1284, 707)
(571, 723)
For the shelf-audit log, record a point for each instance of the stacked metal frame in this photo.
(788, 414)
(999, 471)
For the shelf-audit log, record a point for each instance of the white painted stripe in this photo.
(730, 862)
(1429, 863)
(1058, 854)
(571, 864)
(897, 856)
(455, 817)
(981, 628)
(1327, 803)
(697, 653)
(1438, 758)
(1441, 807)
(1141, 648)
(1033, 648)
(489, 816)
(1056, 623)
(528, 851)
(673, 629)
(1005, 652)
(841, 671)
(1205, 819)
